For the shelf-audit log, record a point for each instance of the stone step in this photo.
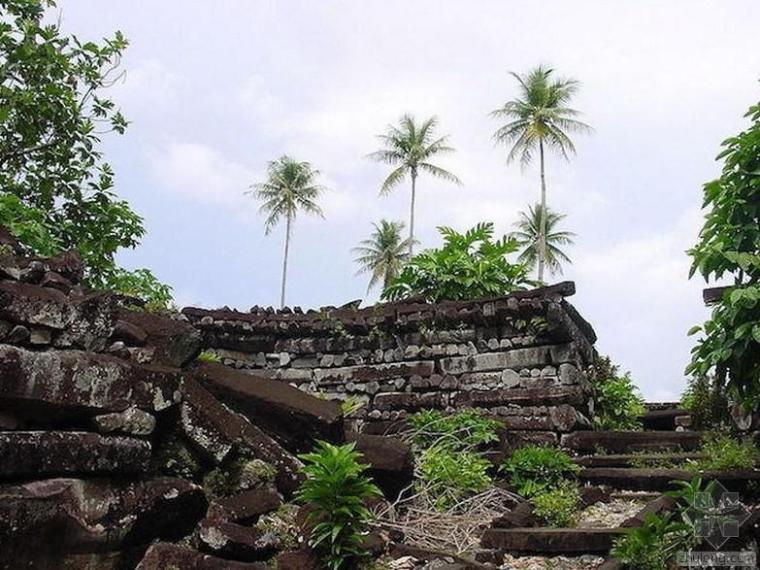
(630, 459)
(624, 442)
(661, 479)
(664, 419)
(550, 541)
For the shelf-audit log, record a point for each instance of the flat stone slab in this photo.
(162, 556)
(289, 415)
(246, 507)
(661, 479)
(631, 441)
(629, 459)
(55, 453)
(662, 419)
(550, 540)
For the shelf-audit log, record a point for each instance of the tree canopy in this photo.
(55, 188)
(469, 265)
(729, 247)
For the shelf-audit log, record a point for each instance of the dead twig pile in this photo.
(456, 530)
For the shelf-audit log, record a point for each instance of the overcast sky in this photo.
(215, 89)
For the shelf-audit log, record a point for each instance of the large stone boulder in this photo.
(81, 321)
(293, 417)
(59, 516)
(391, 462)
(53, 383)
(238, 542)
(167, 341)
(215, 432)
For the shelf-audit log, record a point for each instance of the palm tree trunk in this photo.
(411, 214)
(542, 222)
(285, 262)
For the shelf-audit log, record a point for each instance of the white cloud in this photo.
(147, 86)
(201, 173)
(638, 297)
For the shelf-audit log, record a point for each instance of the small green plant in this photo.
(652, 545)
(351, 405)
(647, 460)
(536, 468)
(336, 490)
(462, 431)
(207, 356)
(721, 452)
(449, 476)
(618, 402)
(558, 506)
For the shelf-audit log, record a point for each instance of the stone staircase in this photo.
(612, 461)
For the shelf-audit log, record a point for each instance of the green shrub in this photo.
(535, 468)
(351, 405)
(558, 506)
(336, 489)
(706, 402)
(618, 402)
(652, 545)
(462, 431)
(723, 452)
(471, 265)
(207, 356)
(449, 476)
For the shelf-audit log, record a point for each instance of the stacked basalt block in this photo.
(521, 358)
(118, 449)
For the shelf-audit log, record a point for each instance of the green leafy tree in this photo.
(336, 490)
(539, 120)
(409, 148)
(729, 248)
(618, 405)
(383, 254)
(56, 190)
(290, 186)
(528, 235)
(468, 266)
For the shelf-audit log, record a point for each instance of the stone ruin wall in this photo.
(521, 358)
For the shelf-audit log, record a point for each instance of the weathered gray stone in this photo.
(515, 359)
(215, 431)
(286, 413)
(131, 421)
(51, 517)
(79, 382)
(165, 556)
(53, 453)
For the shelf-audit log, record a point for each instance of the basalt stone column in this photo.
(521, 358)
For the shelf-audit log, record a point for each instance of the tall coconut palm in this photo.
(539, 119)
(528, 235)
(383, 254)
(410, 147)
(290, 186)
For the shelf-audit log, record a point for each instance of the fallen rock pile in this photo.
(120, 451)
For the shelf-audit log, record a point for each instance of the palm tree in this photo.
(528, 236)
(409, 147)
(383, 254)
(290, 186)
(540, 119)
